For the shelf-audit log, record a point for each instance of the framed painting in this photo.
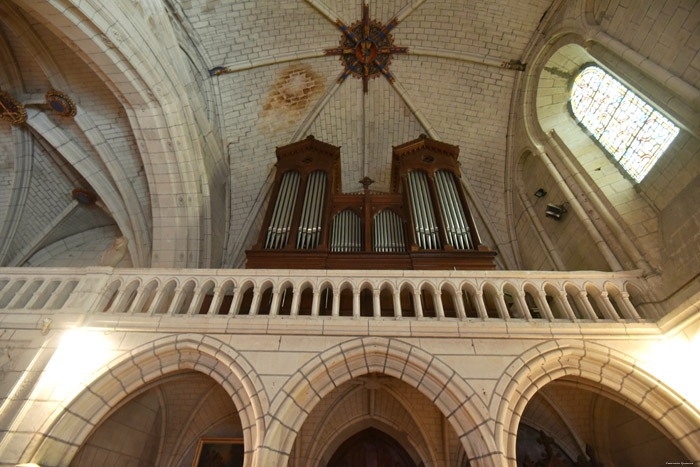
(219, 452)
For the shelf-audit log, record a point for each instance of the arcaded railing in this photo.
(460, 295)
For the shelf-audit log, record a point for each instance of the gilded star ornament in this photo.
(366, 48)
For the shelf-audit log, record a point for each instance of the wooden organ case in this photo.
(422, 223)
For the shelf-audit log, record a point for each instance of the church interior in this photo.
(346, 233)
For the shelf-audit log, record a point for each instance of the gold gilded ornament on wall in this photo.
(61, 104)
(11, 110)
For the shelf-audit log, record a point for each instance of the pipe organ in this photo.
(423, 222)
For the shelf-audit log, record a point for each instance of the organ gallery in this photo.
(423, 222)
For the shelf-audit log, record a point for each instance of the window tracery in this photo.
(630, 129)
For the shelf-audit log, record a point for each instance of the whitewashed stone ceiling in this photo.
(277, 86)
(49, 155)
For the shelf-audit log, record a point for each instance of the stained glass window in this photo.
(629, 128)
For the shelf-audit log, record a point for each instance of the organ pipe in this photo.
(346, 233)
(421, 204)
(310, 224)
(281, 222)
(387, 235)
(455, 218)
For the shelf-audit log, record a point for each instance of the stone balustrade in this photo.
(456, 295)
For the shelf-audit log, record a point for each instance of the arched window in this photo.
(634, 133)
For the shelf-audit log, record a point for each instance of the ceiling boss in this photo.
(366, 48)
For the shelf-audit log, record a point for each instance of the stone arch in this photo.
(69, 426)
(611, 372)
(325, 429)
(453, 396)
(102, 36)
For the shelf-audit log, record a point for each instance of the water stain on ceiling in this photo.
(295, 87)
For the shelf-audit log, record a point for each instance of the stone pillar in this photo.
(196, 302)
(356, 303)
(296, 300)
(631, 310)
(255, 303)
(439, 310)
(522, 304)
(276, 299)
(397, 304)
(480, 305)
(611, 312)
(564, 303)
(176, 302)
(542, 296)
(38, 294)
(417, 304)
(459, 305)
(501, 306)
(376, 303)
(583, 300)
(335, 310)
(155, 304)
(138, 299)
(22, 290)
(315, 303)
(216, 301)
(235, 302)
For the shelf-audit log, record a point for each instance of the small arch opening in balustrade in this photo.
(227, 293)
(533, 302)
(553, 296)
(510, 297)
(207, 297)
(28, 293)
(286, 296)
(536, 312)
(110, 296)
(572, 296)
(131, 290)
(247, 292)
(596, 301)
(408, 309)
(615, 298)
(449, 306)
(386, 301)
(166, 298)
(306, 300)
(345, 300)
(187, 295)
(325, 306)
(366, 301)
(490, 301)
(60, 297)
(149, 292)
(468, 297)
(45, 294)
(427, 301)
(265, 303)
(10, 293)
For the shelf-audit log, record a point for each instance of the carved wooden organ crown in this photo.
(422, 223)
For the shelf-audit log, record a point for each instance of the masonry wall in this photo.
(279, 373)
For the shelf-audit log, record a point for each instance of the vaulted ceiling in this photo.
(180, 158)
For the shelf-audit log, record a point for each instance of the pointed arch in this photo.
(453, 396)
(69, 426)
(605, 370)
